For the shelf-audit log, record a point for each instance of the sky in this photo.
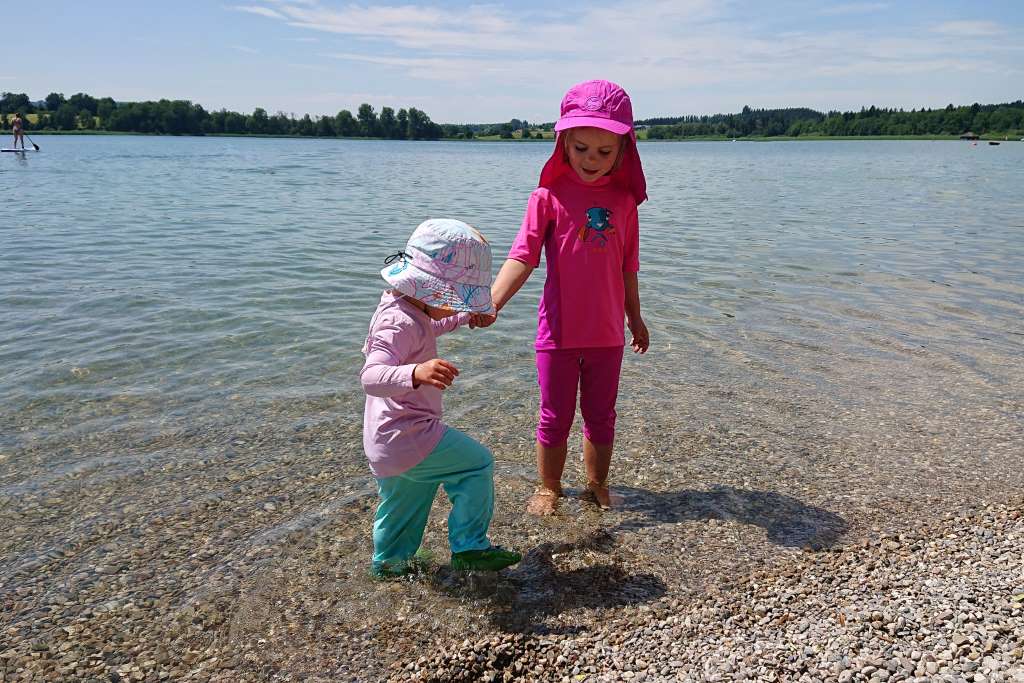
(466, 62)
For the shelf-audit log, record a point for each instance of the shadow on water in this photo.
(521, 599)
(588, 573)
(787, 520)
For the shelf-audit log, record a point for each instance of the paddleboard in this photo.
(5, 149)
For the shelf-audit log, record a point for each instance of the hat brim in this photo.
(437, 293)
(616, 127)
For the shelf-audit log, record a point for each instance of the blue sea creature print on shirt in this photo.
(598, 227)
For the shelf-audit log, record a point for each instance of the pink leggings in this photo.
(596, 372)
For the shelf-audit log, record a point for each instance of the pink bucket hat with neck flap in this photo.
(605, 105)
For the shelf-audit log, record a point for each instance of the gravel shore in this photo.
(938, 602)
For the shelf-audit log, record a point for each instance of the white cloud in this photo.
(679, 55)
(880, 67)
(243, 48)
(854, 8)
(969, 28)
(262, 11)
(412, 27)
(490, 29)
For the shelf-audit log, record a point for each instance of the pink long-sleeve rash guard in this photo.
(401, 425)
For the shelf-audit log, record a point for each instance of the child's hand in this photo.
(641, 338)
(437, 373)
(482, 319)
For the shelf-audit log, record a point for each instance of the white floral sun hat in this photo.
(446, 264)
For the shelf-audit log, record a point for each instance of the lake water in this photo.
(836, 344)
(153, 283)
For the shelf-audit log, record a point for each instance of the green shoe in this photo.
(490, 560)
(385, 571)
(418, 563)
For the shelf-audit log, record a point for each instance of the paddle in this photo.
(30, 140)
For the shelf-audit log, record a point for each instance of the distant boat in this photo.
(992, 142)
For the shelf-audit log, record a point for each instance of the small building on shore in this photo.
(969, 136)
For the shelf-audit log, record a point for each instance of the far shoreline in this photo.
(495, 138)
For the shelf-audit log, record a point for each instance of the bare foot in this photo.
(543, 502)
(603, 495)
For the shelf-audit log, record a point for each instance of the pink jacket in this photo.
(401, 425)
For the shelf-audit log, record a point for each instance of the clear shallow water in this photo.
(177, 276)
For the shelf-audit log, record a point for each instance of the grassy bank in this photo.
(549, 135)
(778, 138)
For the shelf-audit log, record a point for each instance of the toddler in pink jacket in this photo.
(439, 282)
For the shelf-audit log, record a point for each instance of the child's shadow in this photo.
(788, 521)
(522, 597)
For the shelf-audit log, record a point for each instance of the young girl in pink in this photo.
(583, 216)
(439, 282)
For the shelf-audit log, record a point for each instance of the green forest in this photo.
(84, 113)
(980, 119)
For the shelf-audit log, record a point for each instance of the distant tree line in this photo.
(506, 131)
(181, 117)
(976, 118)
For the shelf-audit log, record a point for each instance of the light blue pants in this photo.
(466, 470)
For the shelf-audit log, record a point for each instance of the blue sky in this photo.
(474, 62)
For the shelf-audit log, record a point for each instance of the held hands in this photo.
(440, 373)
(482, 319)
(437, 373)
(641, 338)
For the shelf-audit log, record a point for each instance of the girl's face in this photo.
(592, 152)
